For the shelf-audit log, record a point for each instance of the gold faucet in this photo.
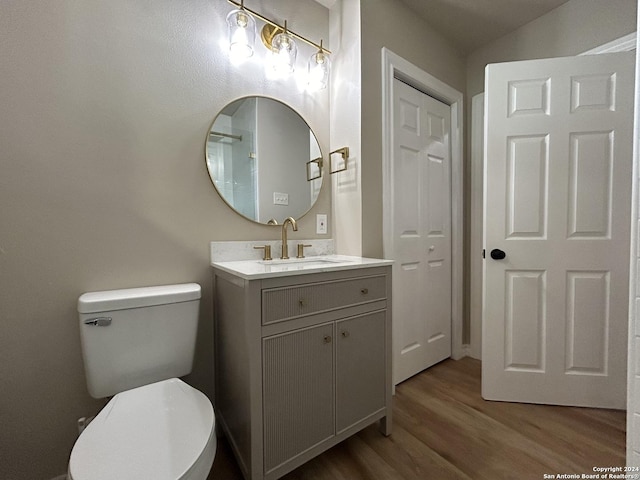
(285, 246)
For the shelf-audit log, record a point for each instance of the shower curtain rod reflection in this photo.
(226, 135)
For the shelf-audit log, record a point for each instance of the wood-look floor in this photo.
(443, 429)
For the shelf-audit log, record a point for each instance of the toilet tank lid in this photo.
(109, 300)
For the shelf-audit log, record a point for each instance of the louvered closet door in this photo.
(298, 392)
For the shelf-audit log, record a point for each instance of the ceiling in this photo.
(470, 24)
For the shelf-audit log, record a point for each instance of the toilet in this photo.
(135, 344)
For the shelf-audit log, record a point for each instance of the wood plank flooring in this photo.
(443, 429)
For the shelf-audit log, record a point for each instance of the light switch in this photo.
(280, 198)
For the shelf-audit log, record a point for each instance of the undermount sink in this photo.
(298, 263)
(304, 261)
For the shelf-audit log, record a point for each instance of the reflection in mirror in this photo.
(258, 154)
(314, 169)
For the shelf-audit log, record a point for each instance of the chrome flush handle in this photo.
(98, 321)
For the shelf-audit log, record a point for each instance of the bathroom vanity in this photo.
(303, 356)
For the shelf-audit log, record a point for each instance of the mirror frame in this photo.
(320, 159)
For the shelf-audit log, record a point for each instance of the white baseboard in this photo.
(464, 351)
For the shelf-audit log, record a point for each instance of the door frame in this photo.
(394, 66)
(476, 226)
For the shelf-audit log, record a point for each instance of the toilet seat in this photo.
(161, 431)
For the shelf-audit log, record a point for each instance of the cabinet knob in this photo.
(302, 302)
(345, 333)
(364, 291)
(327, 339)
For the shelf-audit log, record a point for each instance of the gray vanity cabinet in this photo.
(302, 363)
(360, 368)
(298, 385)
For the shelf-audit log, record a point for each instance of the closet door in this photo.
(421, 172)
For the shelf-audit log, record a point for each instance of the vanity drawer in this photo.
(285, 303)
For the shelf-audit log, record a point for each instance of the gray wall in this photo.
(346, 123)
(105, 108)
(388, 23)
(570, 29)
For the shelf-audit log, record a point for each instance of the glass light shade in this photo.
(283, 54)
(242, 33)
(319, 68)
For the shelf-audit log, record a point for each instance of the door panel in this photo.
(525, 321)
(527, 186)
(558, 140)
(591, 163)
(587, 322)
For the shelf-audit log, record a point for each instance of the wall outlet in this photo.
(83, 422)
(280, 198)
(321, 224)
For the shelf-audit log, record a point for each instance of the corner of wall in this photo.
(345, 125)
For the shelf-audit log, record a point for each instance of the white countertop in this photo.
(257, 269)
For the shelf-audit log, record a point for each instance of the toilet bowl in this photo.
(162, 431)
(135, 343)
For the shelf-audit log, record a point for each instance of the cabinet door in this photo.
(298, 392)
(360, 368)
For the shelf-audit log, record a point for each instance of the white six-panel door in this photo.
(421, 174)
(558, 140)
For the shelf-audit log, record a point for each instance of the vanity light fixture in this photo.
(319, 66)
(242, 33)
(283, 53)
(280, 41)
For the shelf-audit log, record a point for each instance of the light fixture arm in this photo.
(274, 24)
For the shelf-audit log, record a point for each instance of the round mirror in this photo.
(264, 160)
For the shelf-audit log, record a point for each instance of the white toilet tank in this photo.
(137, 336)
